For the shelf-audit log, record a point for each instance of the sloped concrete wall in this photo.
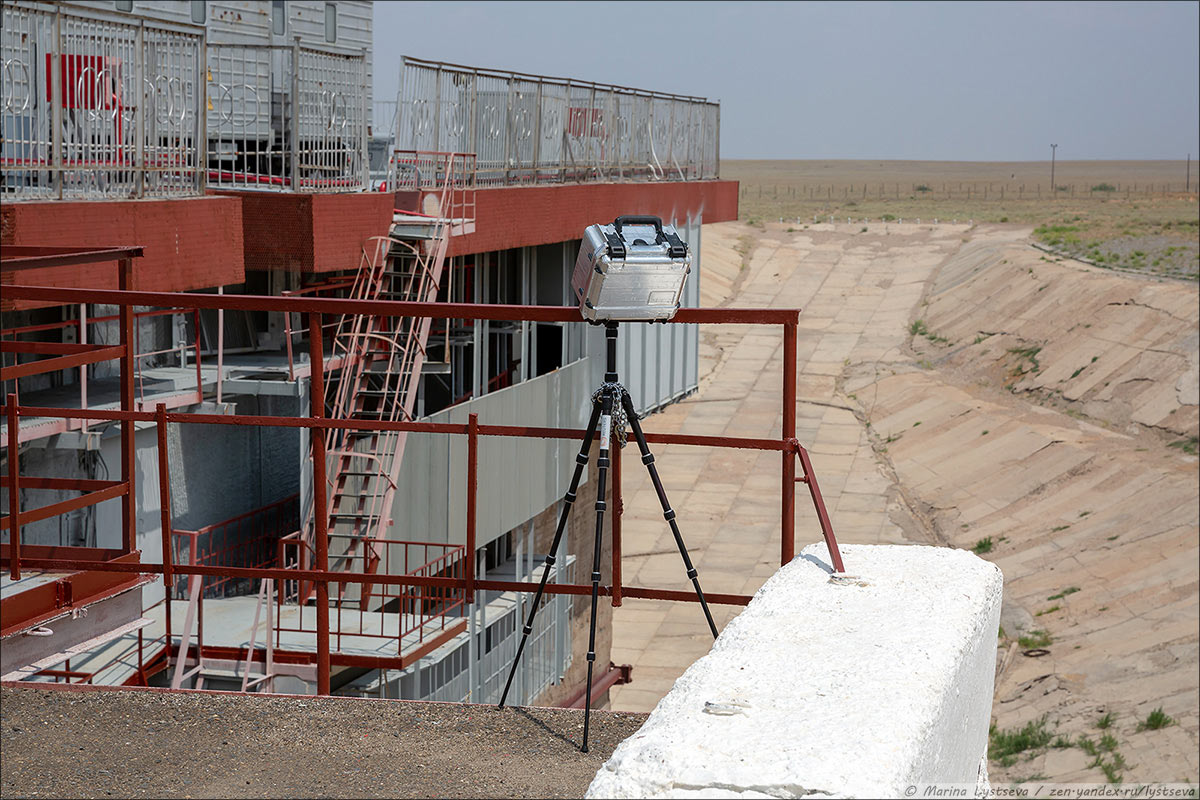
(855, 687)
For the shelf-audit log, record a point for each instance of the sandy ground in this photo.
(1065, 462)
(123, 743)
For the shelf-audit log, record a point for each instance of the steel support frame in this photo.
(788, 446)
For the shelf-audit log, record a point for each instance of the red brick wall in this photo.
(311, 232)
(520, 216)
(190, 243)
(342, 225)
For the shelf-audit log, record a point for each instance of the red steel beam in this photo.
(787, 538)
(80, 484)
(76, 590)
(315, 576)
(316, 356)
(47, 348)
(472, 497)
(325, 423)
(128, 446)
(14, 493)
(384, 308)
(20, 256)
(117, 489)
(164, 496)
(91, 356)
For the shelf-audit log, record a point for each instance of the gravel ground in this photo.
(123, 743)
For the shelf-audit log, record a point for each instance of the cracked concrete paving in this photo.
(1061, 460)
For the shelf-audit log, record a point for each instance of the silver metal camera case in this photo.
(632, 270)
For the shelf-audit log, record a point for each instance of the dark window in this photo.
(124, 5)
(199, 11)
(278, 16)
(330, 22)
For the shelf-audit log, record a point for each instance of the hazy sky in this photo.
(954, 81)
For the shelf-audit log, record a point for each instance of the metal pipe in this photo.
(316, 410)
(128, 445)
(164, 498)
(787, 539)
(472, 497)
(14, 489)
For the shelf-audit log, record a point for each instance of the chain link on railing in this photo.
(532, 128)
(98, 106)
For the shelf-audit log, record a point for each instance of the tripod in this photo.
(610, 400)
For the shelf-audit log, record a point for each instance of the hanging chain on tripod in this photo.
(619, 422)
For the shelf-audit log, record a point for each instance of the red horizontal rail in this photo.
(80, 484)
(62, 507)
(21, 256)
(331, 576)
(325, 423)
(93, 355)
(383, 308)
(47, 348)
(74, 323)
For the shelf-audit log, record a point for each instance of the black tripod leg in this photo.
(668, 513)
(581, 461)
(602, 473)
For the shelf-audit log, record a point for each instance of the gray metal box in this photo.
(632, 270)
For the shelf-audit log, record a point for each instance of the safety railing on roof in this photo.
(93, 105)
(533, 128)
(261, 137)
(98, 105)
(319, 573)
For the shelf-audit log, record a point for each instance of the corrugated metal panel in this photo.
(518, 478)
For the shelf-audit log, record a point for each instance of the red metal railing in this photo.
(10, 344)
(413, 613)
(316, 569)
(249, 540)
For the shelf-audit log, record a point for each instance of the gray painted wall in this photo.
(518, 478)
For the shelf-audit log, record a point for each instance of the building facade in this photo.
(233, 143)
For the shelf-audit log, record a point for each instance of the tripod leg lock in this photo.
(570, 497)
(669, 514)
(595, 577)
(580, 458)
(528, 629)
(591, 656)
(550, 559)
(648, 459)
(692, 573)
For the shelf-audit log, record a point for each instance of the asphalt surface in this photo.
(123, 743)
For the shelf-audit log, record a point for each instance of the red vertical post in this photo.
(616, 526)
(14, 490)
(787, 549)
(835, 554)
(472, 492)
(128, 447)
(164, 496)
(199, 380)
(316, 355)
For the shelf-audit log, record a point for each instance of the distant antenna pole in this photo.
(1053, 188)
(1187, 184)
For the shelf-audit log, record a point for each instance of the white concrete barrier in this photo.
(852, 687)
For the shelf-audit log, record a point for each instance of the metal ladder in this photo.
(383, 357)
